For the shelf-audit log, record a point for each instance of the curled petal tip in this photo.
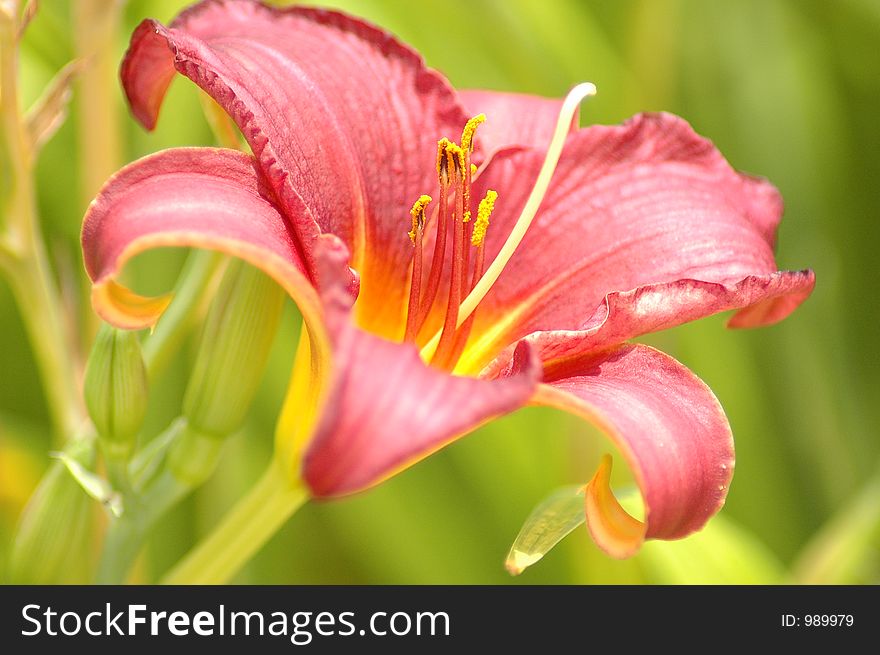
(613, 529)
(124, 308)
(668, 426)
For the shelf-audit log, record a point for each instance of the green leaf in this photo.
(94, 485)
(548, 524)
(50, 110)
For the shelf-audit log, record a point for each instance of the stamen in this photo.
(455, 157)
(554, 150)
(468, 169)
(418, 225)
(446, 338)
(467, 134)
(418, 215)
(442, 161)
(478, 238)
(487, 205)
(438, 260)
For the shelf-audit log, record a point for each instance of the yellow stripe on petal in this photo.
(126, 309)
(614, 530)
(305, 393)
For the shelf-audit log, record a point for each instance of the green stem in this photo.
(99, 150)
(188, 461)
(37, 299)
(242, 532)
(117, 474)
(122, 544)
(25, 260)
(96, 24)
(126, 535)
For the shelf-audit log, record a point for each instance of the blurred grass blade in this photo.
(722, 553)
(95, 486)
(50, 111)
(847, 549)
(548, 524)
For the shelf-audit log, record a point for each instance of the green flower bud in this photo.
(193, 456)
(53, 543)
(116, 390)
(235, 345)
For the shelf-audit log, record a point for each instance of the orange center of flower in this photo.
(468, 279)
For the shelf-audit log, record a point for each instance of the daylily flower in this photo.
(411, 342)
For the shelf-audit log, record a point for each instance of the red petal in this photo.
(203, 197)
(645, 203)
(513, 119)
(385, 409)
(669, 427)
(388, 410)
(342, 117)
(624, 315)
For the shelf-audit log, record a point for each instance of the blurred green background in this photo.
(789, 90)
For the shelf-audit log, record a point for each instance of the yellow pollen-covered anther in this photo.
(487, 205)
(473, 169)
(443, 160)
(418, 215)
(467, 135)
(455, 157)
